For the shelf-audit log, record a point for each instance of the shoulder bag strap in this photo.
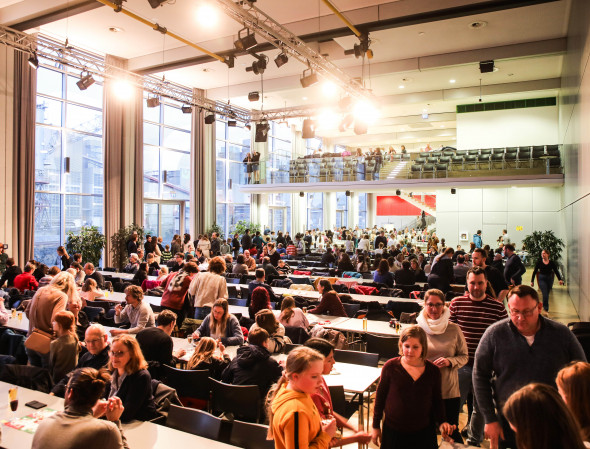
(296, 416)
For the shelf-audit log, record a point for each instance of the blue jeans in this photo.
(476, 423)
(202, 312)
(38, 359)
(545, 284)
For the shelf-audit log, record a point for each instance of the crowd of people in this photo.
(492, 347)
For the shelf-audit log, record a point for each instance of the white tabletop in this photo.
(125, 276)
(120, 297)
(19, 325)
(373, 327)
(140, 435)
(354, 378)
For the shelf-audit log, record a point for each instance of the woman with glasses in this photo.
(447, 349)
(131, 381)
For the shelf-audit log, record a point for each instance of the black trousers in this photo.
(421, 439)
(452, 414)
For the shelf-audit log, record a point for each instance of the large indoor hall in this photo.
(294, 224)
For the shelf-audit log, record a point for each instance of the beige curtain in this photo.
(137, 147)
(198, 172)
(23, 196)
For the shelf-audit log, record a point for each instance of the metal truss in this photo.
(257, 21)
(70, 56)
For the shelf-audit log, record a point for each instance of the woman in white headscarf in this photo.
(447, 349)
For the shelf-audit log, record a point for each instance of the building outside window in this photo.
(362, 199)
(232, 144)
(69, 160)
(341, 209)
(315, 210)
(166, 169)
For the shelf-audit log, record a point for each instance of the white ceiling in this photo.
(422, 58)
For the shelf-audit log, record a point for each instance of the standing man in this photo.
(258, 242)
(308, 239)
(215, 244)
(514, 268)
(495, 277)
(381, 239)
(246, 241)
(474, 313)
(477, 239)
(515, 352)
(505, 237)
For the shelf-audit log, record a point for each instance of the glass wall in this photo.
(69, 160)
(279, 153)
(341, 209)
(315, 210)
(362, 199)
(166, 169)
(313, 144)
(231, 146)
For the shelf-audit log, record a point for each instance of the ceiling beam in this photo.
(393, 15)
(69, 10)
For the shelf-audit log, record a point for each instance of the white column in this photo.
(329, 210)
(353, 210)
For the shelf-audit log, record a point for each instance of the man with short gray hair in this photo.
(93, 274)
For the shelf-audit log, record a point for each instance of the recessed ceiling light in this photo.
(116, 29)
(421, 33)
(452, 81)
(208, 70)
(304, 98)
(442, 126)
(510, 74)
(207, 16)
(401, 86)
(477, 25)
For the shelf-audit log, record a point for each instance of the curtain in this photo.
(23, 192)
(198, 172)
(137, 148)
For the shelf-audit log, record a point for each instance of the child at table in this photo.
(204, 357)
(323, 401)
(294, 420)
(63, 352)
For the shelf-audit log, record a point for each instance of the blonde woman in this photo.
(90, 291)
(221, 325)
(205, 357)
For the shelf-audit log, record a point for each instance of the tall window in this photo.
(315, 210)
(232, 145)
(362, 199)
(279, 154)
(68, 158)
(341, 209)
(313, 144)
(166, 169)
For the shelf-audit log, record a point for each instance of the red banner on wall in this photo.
(397, 206)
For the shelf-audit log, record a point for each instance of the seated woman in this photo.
(266, 320)
(204, 357)
(330, 303)
(151, 261)
(345, 264)
(163, 273)
(131, 381)
(141, 274)
(63, 352)
(291, 315)
(541, 420)
(240, 267)
(382, 275)
(260, 299)
(419, 275)
(362, 266)
(573, 384)
(221, 325)
(78, 426)
(90, 291)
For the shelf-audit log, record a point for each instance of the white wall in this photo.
(510, 127)
(494, 209)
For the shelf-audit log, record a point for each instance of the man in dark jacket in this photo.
(308, 239)
(405, 276)
(253, 364)
(246, 241)
(328, 258)
(269, 269)
(381, 239)
(91, 273)
(215, 244)
(258, 242)
(514, 268)
(12, 271)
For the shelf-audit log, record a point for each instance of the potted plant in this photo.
(540, 240)
(241, 226)
(89, 242)
(119, 242)
(215, 228)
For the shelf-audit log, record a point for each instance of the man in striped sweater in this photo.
(474, 313)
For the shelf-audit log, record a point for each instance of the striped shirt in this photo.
(474, 317)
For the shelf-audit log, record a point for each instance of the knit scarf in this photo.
(434, 327)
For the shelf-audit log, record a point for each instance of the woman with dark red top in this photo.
(330, 303)
(410, 395)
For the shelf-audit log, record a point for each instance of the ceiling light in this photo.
(310, 79)
(346, 122)
(452, 81)
(477, 25)
(366, 112)
(304, 98)
(85, 82)
(254, 96)
(398, 192)
(207, 16)
(345, 104)
(329, 89)
(232, 123)
(210, 119)
(246, 42)
(401, 86)
(360, 127)
(327, 120)
(309, 127)
(258, 66)
(153, 102)
(155, 3)
(262, 129)
(122, 89)
(34, 61)
(187, 109)
(281, 59)
(116, 29)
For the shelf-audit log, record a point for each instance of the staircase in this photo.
(415, 201)
(394, 169)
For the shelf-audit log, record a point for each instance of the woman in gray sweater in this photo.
(447, 349)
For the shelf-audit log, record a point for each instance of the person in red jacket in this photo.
(26, 280)
(176, 287)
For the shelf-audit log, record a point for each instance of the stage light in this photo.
(345, 104)
(122, 89)
(155, 3)
(453, 191)
(34, 61)
(308, 131)
(262, 129)
(281, 59)
(153, 102)
(207, 16)
(327, 120)
(254, 96)
(360, 127)
(301, 194)
(210, 119)
(258, 66)
(347, 193)
(187, 109)
(232, 123)
(85, 82)
(486, 66)
(310, 79)
(346, 122)
(248, 126)
(246, 42)
(366, 112)
(398, 192)
(329, 89)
